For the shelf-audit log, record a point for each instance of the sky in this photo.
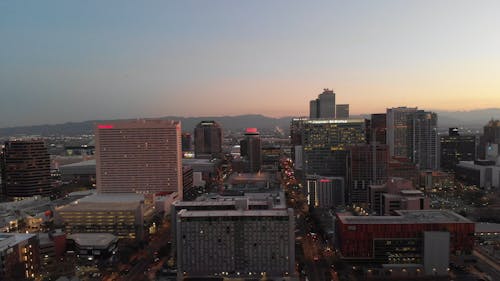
(64, 61)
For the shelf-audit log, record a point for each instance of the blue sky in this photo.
(80, 60)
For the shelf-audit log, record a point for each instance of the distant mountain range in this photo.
(188, 123)
(474, 119)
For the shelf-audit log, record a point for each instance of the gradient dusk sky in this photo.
(82, 60)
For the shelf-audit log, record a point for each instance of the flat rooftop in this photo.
(406, 217)
(233, 213)
(328, 120)
(411, 192)
(112, 198)
(91, 240)
(485, 227)
(11, 239)
(248, 177)
(197, 161)
(105, 202)
(87, 163)
(258, 198)
(252, 196)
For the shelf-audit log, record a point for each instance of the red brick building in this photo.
(399, 239)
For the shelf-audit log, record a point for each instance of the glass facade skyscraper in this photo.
(325, 142)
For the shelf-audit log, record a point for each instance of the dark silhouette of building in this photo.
(368, 165)
(26, 169)
(19, 256)
(378, 128)
(402, 167)
(397, 130)
(186, 141)
(323, 106)
(342, 111)
(456, 148)
(251, 150)
(207, 139)
(491, 136)
(187, 183)
(271, 155)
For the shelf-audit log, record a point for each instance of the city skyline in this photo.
(93, 60)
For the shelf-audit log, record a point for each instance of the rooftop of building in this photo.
(86, 163)
(137, 123)
(411, 192)
(406, 217)
(112, 198)
(105, 202)
(233, 213)
(257, 198)
(329, 120)
(10, 239)
(415, 196)
(394, 185)
(478, 164)
(249, 177)
(197, 161)
(485, 227)
(44, 238)
(97, 240)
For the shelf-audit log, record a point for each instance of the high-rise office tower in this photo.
(490, 138)
(455, 148)
(323, 106)
(378, 128)
(141, 156)
(26, 169)
(251, 150)
(186, 142)
(325, 192)
(397, 130)
(327, 104)
(324, 144)
(296, 128)
(423, 140)
(207, 139)
(313, 108)
(342, 111)
(403, 167)
(368, 165)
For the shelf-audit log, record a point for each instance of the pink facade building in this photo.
(139, 156)
(397, 194)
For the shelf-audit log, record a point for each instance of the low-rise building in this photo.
(80, 173)
(436, 180)
(93, 245)
(396, 194)
(405, 200)
(481, 173)
(123, 215)
(423, 240)
(203, 169)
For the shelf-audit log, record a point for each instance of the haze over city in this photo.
(92, 60)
